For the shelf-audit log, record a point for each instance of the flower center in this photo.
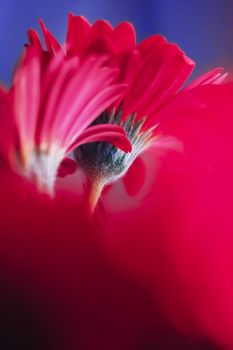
(104, 163)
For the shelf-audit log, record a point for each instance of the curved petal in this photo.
(211, 77)
(169, 84)
(163, 71)
(113, 134)
(92, 109)
(135, 177)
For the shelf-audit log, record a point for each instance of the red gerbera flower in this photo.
(144, 278)
(47, 111)
(154, 71)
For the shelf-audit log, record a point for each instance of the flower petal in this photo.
(124, 37)
(26, 98)
(34, 38)
(67, 167)
(210, 77)
(78, 30)
(51, 43)
(163, 71)
(135, 177)
(113, 134)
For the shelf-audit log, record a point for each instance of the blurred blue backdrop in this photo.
(203, 28)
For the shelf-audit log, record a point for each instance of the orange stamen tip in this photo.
(95, 188)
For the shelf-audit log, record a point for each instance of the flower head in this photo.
(154, 70)
(171, 256)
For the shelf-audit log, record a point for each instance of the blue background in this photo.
(203, 28)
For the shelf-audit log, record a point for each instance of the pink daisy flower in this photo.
(154, 71)
(158, 275)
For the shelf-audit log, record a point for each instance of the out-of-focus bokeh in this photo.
(203, 28)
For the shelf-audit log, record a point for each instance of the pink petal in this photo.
(101, 29)
(124, 37)
(170, 82)
(51, 43)
(129, 63)
(34, 38)
(207, 78)
(154, 42)
(135, 177)
(167, 143)
(67, 167)
(7, 126)
(101, 46)
(91, 111)
(78, 30)
(162, 73)
(100, 39)
(3, 91)
(26, 95)
(87, 81)
(219, 79)
(141, 85)
(84, 98)
(113, 134)
(51, 71)
(54, 95)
